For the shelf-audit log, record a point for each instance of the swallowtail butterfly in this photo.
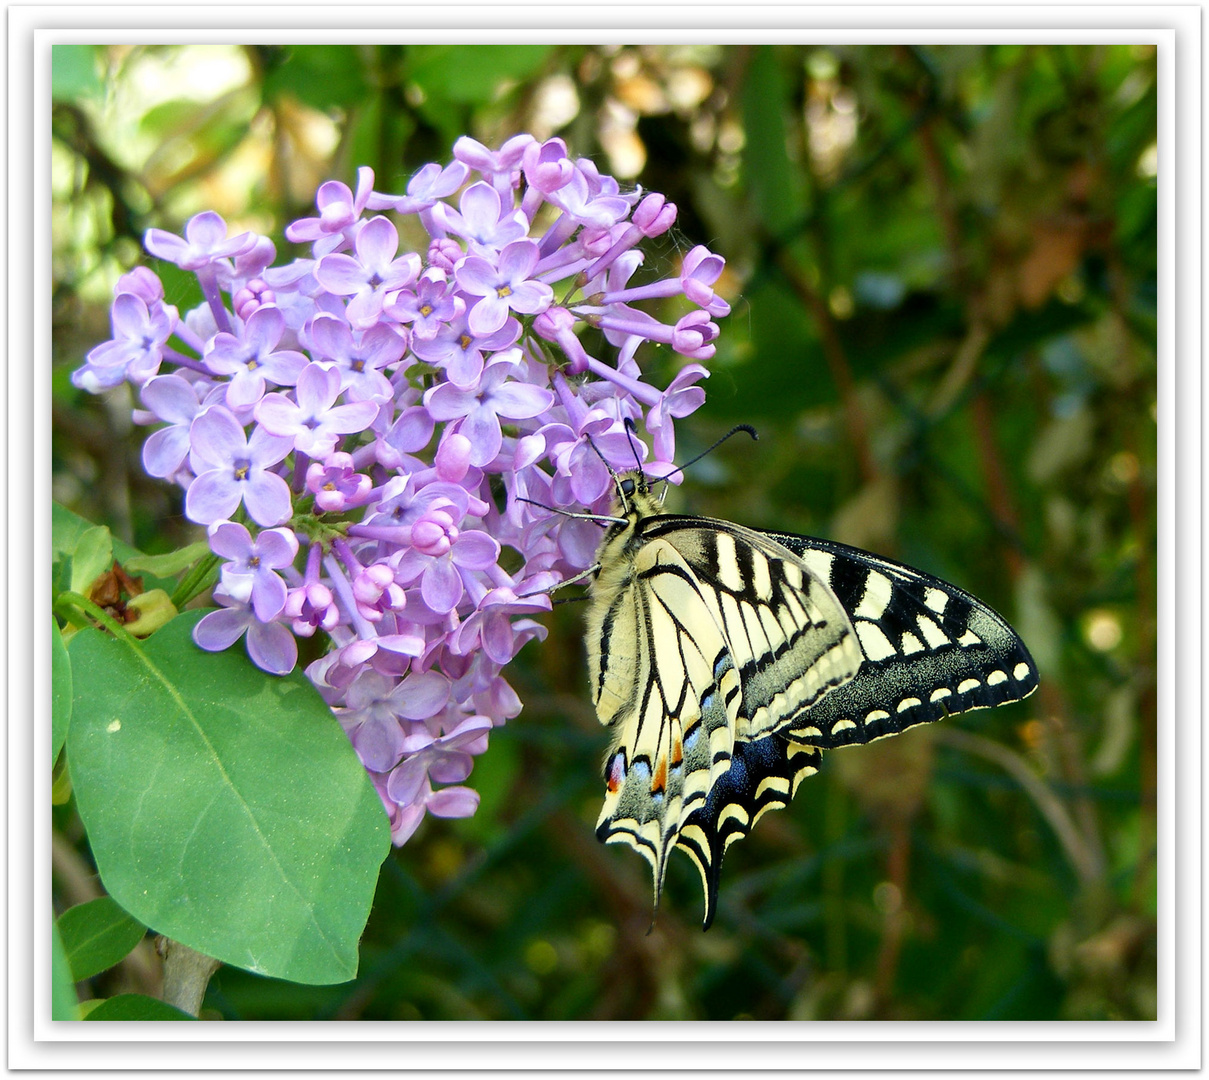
(725, 659)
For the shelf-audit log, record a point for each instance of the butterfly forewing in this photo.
(931, 649)
(787, 633)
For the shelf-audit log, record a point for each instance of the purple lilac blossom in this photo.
(342, 422)
(249, 574)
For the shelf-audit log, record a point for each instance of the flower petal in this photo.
(213, 495)
(267, 497)
(450, 767)
(441, 585)
(421, 695)
(216, 438)
(520, 400)
(165, 450)
(453, 802)
(475, 550)
(482, 428)
(221, 629)
(407, 780)
(171, 398)
(379, 743)
(272, 648)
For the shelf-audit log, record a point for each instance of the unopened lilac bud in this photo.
(434, 534)
(252, 296)
(654, 215)
(376, 593)
(693, 335)
(596, 241)
(453, 458)
(444, 253)
(557, 324)
(547, 166)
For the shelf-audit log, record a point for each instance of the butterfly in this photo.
(725, 659)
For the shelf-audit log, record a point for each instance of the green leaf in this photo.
(774, 180)
(136, 1007)
(97, 935)
(171, 562)
(63, 1002)
(73, 72)
(224, 807)
(93, 555)
(321, 76)
(60, 692)
(472, 74)
(68, 529)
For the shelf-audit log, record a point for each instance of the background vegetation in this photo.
(942, 263)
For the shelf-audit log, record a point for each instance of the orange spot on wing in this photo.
(659, 780)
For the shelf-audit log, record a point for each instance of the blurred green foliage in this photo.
(942, 262)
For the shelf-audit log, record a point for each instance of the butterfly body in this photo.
(724, 659)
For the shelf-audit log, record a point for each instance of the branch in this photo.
(1080, 855)
(186, 975)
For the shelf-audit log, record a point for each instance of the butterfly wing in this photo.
(726, 658)
(931, 649)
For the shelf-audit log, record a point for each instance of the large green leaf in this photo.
(73, 72)
(96, 935)
(60, 692)
(136, 1007)
(225, 808)
(63, 1002)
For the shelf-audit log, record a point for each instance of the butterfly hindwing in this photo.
(763, 775)
(663, 677)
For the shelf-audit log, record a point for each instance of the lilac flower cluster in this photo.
(364, 431)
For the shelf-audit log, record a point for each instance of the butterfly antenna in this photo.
(600, 519)
(631, 431)
(604, 460)
(709, 450)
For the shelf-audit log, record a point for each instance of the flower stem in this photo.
(77, 610)
(200, 578)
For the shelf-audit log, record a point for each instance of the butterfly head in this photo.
(635, 500)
